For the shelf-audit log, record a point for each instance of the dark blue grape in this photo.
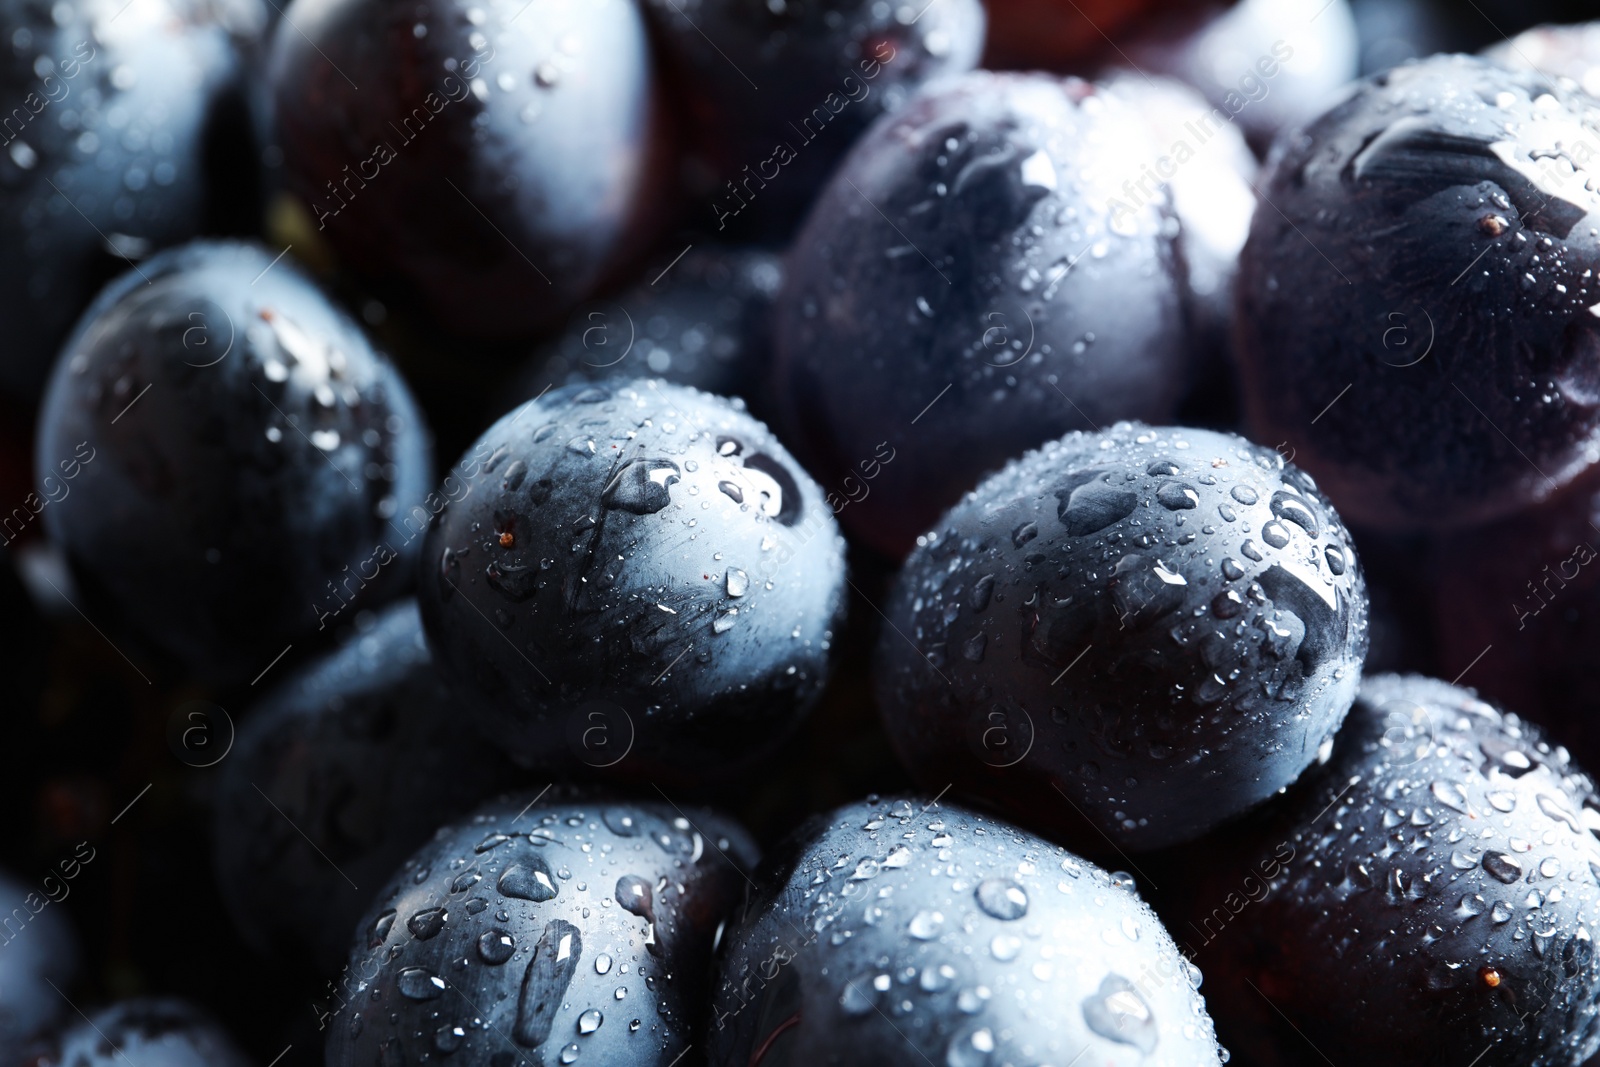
(543, 932)
(126, 128)
(488, 163)
(637, 577)
(246, 461)
(1414, 316)
(335, 778)
(1151, 629)
(979, 278)
(903, 931)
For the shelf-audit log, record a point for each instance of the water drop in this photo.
(970, 1001)
(642, 486)
(380, 929)
(1004, 947)
(621, 823)
(493, 841)
(1002, 898)
(1451, 794)
(417, 983)
(1290, 507)
(1094, 505)
(1118, 1013)
(1502, 867)
(528, 880)
(1558, 811)
(1177, 496)
(970, 1049)
(633, 893)
(933, 979)
(1275, 534)
(1227, 604)
(544, 984)
(496, 946)
(855, 1000)
(426, 924)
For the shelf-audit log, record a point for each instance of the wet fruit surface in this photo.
(126, 130)
(1427, 895)
(537, 933)
(778, 91)
(1434, 257)
(145, 1032)
(335, 778)
(1152, 628)
(974, 281)
(517, 140)
(1566, 52)
(636, 576)
(262, 665)
(243, 463)
(903, 931)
